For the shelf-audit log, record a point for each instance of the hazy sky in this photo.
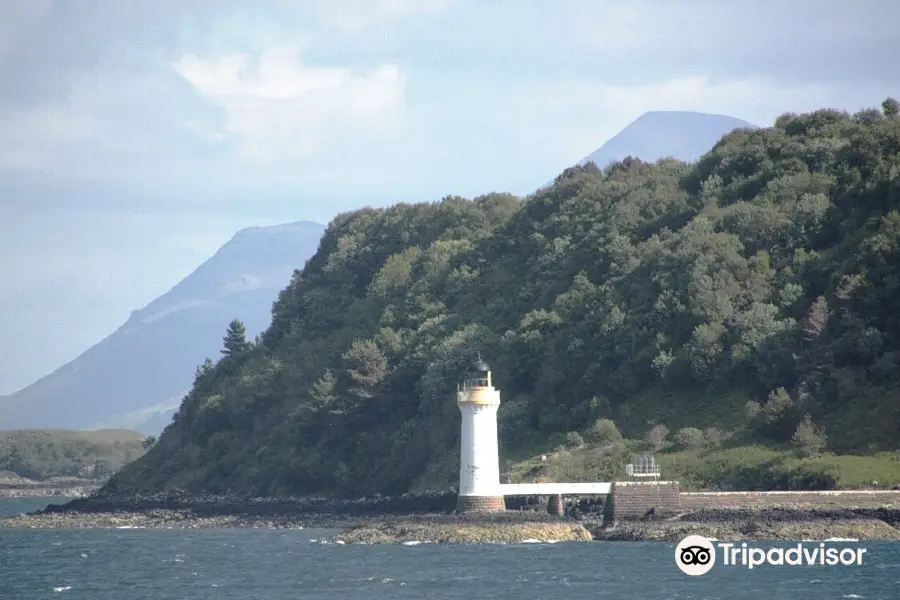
(137, 137)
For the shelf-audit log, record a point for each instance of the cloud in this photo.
(29, 136)
(277, 107)
(646, 40)
(18, 16)
(114, 124)
(353, 15)
(195, 99)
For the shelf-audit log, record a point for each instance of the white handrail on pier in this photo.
(551, 489)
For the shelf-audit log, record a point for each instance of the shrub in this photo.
(574, 440)
(778, 406)
(603, 431)
(810, 477)
(765, 476)
(713, 436)
(776, 419)
(689, 438)
(752, 410)
(808, 440)
(657, 435)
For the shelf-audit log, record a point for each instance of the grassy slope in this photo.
(703, 469)
(731, 463)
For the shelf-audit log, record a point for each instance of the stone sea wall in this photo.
(634, 499)
(737, 500)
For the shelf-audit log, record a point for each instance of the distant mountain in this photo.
(659, 134)
(136, 377)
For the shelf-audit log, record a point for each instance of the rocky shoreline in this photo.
(493, 528)
(70, 487)
(432, 518)
(181, 510)
(47, 492)
(761, 524)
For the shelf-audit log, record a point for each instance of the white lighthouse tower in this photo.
(479, 464)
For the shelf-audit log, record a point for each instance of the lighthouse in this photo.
(479, 464)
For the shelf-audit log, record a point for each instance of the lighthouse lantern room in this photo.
(479, 466)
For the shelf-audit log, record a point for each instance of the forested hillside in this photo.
(748, 300)
(40, 454)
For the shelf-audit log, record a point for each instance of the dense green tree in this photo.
(235, 340)
(323, 390)
(365, 366)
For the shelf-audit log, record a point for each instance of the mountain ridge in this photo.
(241, 279)
(657, 134)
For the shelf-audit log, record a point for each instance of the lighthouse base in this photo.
(480, 504)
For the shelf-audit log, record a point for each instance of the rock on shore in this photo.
(511, 527)
(150, 519)
(468, 529)
(208, 504)
(760, 524)
(182, 510)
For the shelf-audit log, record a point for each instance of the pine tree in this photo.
(235, 340)
(203, 369)
(323, 390)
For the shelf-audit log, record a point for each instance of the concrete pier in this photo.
(549, 489)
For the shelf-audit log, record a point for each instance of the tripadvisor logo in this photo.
(697, 555)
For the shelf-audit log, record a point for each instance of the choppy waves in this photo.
(148, 564)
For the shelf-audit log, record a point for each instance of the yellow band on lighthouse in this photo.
(483, 396)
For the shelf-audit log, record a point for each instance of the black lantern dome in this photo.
(478, 374)
(479, 366)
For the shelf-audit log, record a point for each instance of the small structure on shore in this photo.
(642, 493)
(644, 466)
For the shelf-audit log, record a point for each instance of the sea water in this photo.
(144, 564)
